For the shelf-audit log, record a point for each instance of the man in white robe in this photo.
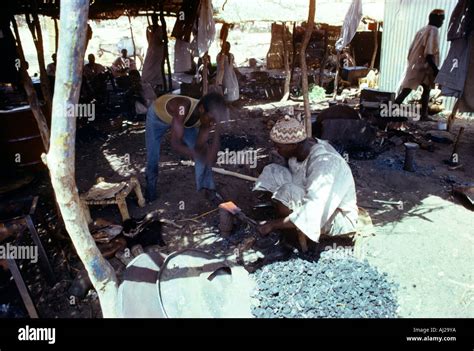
(315, 195)
(423, 62)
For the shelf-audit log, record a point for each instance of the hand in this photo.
(265, 228)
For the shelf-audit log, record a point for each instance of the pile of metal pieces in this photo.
(261, 85)
(335, 286)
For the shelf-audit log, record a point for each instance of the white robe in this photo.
(426, 42)
(320, 191)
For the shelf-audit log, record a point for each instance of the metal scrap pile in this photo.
(335, 286)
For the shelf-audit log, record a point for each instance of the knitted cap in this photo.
(288, 131)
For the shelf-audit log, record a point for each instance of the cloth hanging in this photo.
(452, 75)
(350, 25)
(456, 74)
(206, 27)
(154, 56)
(186, 19)
(182, 56)
(466, 104)
(461, 22)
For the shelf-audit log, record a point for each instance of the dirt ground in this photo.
(426, 247)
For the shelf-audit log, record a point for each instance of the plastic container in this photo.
(442, 125)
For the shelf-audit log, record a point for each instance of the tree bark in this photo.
(35, 29)
(61, 157)
(336, 78)
(293, 57)
(165, 46)
(376, 45)
(304, 68)
(56, 35)
(286, 59)
(205, 81)
(30, 91)
(133, 39)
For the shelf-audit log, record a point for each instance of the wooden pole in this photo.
(30, 90)
(376, 45)
(61, 157)
(165, 46)
(324, 60)
(56, 35)
(133, 39)
(163, 62)
(286, 59)
(35, 29)
(293, 59)
(205, 81)
(453, 114)
(304, 68)
(336, 79)
(233, 174)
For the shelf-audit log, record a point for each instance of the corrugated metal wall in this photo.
(402, 19)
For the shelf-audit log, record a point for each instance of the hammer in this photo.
(236, 211)
(233, 209)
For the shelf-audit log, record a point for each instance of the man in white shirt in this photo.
(315, 195)
(423, 62)
(123, 65)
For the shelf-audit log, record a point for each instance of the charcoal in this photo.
(330, 287)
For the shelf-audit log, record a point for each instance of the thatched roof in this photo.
(230, 11)
(327, 11)
(99, 9)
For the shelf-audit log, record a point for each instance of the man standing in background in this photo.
(423, 62)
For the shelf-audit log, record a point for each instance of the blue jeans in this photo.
(154, 132)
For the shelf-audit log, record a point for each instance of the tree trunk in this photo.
(133, 39)
(35, 29)
(61, 157)
(304, 69)
(166, 56)
(286, 58)
(56, 35)
(376, 45)
(205, 81)
(293, 57)
(30, 91)
(336, 78)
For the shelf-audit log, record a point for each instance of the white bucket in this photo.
(442, 125)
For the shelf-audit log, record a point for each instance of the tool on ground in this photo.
(410, 150)
(399, 204)
(224, 172)
(454, 159)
